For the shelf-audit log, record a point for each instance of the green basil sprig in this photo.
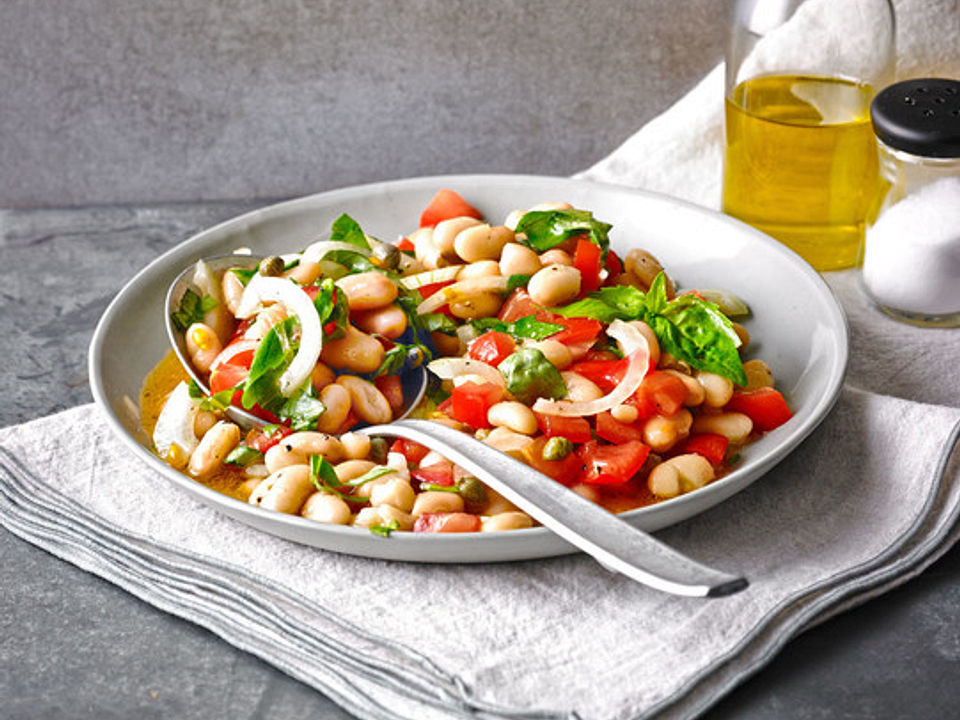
(544, 229)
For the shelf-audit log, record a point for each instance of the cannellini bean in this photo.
(310, 442)
(383, 514)
(513, 217)
(232, 289)
(662, 433)
(389, 321)
(680, 474)
(625, 413)
(426, 252)
(356, 446)
(279, 456)
(202, 422)
(551, 205)
(285, 490)
(266, 319)
(446, 344)
(356, 351)
(759, 375)
(214, 446)
(482, 305)
(555, 351)
(336, 400)
(397, 492)
(506, 521)
(352, 469)
(305, 272)
(554, 285)
(514, 416)
(517, 259)
(589, 492)
(366, 400)
(717, 389)
(652, 343)
(437, 501)
(328, 508)
(446, 232)
(579, 388)
(736, 427)
(508, 441)
(482, 242)
(695, 392)
(321, 376)
(497, 504)
(368, 290)
(203, 346)
(743, 334)
(643, 265)
(556, 256)
(481, 268)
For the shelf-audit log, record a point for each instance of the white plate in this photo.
(797, 327)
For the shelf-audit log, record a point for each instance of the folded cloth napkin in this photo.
(869, 500)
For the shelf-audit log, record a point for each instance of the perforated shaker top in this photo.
(919, 116)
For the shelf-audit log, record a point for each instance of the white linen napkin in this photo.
(869, 500)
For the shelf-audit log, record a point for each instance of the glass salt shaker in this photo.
(911, 257)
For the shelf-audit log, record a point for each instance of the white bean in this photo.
(232, 289)
(682, 473)
(336, 400)
(759, 375)
(446, 231)
(203, 346)
(215, 445)
(356, 446)
(366, 400)
(517, 259)
(579, 388)
(506, 521)
(662, 433)
(285, 490)
(556, 256)
(328, 508)
(482, 242)
(734, 426)
(555, 351)
(554, 285)
(356, 352)
(695, 392)
(389, 321)
(514, 416)
(437, 501)
(397, 492)
(717, 389)
(368, 290)
(481, 268)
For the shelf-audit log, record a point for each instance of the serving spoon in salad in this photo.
(614, 543)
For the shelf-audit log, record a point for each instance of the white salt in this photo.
(912, 258)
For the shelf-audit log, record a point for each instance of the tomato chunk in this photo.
(518, 305)
(440, 473)
(472, 401)
(586, 259)
(447, 523)
(611, 429)
(576, 330)
(493, 347)
(574, 429)
(565, 471)
(406, 244)
(660, 393)
(392, 388)
(605, 374)
(711, 446)
(766, 407)
(414, 452)
(447, 204)
(612, 464)
(263, 440)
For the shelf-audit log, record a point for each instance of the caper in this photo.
(271, 266)
(414, 356)
(384, 255)
(472, 490)
(482, 434)
(379, 449)
(556, 448)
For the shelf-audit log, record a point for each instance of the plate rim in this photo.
(234, 508)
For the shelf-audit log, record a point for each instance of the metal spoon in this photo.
(413, 380)
(611, 541)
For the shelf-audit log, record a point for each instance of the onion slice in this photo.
(449, 368)
(636, 371)
(273, 289)
(412, 282)
(627, 335)
(175, 424)
(462, 289)
(318, 250)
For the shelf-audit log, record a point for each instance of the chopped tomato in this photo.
(492, 347)
(586, 259)
(429, 289)
(414, 452)
(447, 204)
(612, 464)
(613, 264)
(713, 447)
(660, 393)
(447, 523)
(609, 428)
(232, 369)
(262, 440)
(605, 374)
(348, 422)
(765, 406)
(472, 401)
(576, 330)
(518, 305)
(566, 471)
(446, 407)
(574, 429)
(440, 473)
(406, 244)
(392, 389)
(601, 355)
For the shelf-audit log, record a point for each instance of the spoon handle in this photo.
(611, 541)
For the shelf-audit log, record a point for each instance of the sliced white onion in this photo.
(636, 370)
(628, 336)
(175, 424)
(317, 251)
(466, 333)
(231, 350)
(206, 281)
(463, 289)
(412, 282)
(449, 368)
(273, 289)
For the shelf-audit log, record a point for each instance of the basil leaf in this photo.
(529, 375)
(192, 309)
(243, 456)
(438, 322)
(385, 529)
(700, 334)
(211, 403)
(244, 275)
(346, 229)
(303, 409)
(354, 262)
(545, 229)
(332, 307)
(440, 488)
(274, 354)
(622, 302)
(324, 478)
(517, 281)
(530, 327)
(371, 474)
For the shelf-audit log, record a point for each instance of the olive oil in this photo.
(801, 163)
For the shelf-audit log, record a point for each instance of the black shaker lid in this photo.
(919, 116)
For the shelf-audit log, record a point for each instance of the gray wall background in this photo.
(131, 101)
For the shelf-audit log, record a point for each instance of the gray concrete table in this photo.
(74, 646)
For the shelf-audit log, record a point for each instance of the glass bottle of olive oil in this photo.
(801, 163)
